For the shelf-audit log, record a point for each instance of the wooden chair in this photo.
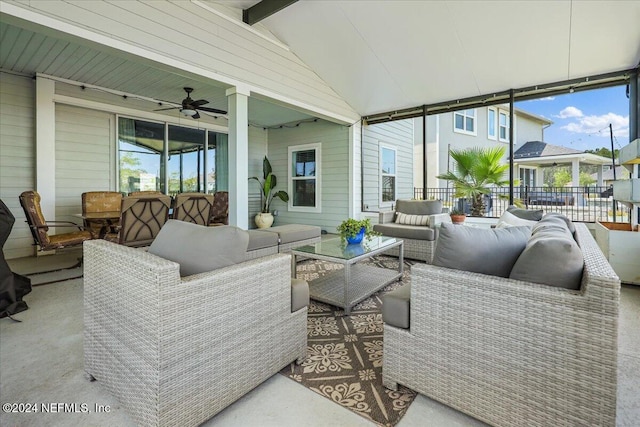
(220, 209)
(39, 227)
(101, 201)
(193, 207)
(141, 219)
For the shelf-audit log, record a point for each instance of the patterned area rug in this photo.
(344, 360)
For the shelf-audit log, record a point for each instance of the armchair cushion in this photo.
(402, 231)
(489, 251)
(198, 248)
(408, 219)
(419, 207)
(396, 307)
(299, 294)
(508, 219)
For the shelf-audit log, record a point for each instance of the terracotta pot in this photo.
(458, 219)
(263, 220)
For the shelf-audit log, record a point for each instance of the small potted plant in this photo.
(354, 230)
(457, 216)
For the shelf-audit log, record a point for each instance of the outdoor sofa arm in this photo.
(386, 217)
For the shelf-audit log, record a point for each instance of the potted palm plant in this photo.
(354, 230)
(477, 170)
(267, 185)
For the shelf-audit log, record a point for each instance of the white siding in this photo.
(212, 47)
(334, 175)
(399, 135)
(84, 157)
(527, 130)
(17, 156)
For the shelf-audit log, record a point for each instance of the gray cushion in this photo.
(490, 251)
(299, 294)
(552, 258)
(198, 248)
(555, 223)
(507, 219)
(261, 239)
(401, 231)
(294, 232)
(396, 307)
(559, 216)
(419, 207)
(530, 214)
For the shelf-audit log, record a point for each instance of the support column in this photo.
(238, 99)
(46, 147)
(600, 181)
(575, 178)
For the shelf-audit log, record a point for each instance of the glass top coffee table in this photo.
(347, 287)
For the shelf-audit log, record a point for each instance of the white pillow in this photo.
(508, 219)
(407, 219)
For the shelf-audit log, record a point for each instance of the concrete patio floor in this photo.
(41, 361)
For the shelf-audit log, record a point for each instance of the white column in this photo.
(600, 182)
(238, 98)
(46, 147)
(575, 173)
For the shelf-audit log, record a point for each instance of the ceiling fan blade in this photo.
(163, 109)
(196, 116)
(212, 110)
(199, 102)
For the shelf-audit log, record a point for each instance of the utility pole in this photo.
(613, 154)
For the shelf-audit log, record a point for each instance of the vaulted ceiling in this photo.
(377, 55)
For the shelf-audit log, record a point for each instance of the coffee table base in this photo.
(362, 280)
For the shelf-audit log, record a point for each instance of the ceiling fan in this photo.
(190, 107)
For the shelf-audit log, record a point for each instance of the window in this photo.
(503, 126)
(387, 175)
(491, 123)
(304, 178)
(465, 121)
(191, 152)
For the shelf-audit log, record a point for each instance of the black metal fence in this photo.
(585, 204)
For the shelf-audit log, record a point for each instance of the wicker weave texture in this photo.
(286, 247)
(176, 351)
(508, 352)
(422, 250)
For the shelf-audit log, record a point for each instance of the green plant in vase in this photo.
(354, 230)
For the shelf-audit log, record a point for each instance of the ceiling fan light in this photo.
(188, 112)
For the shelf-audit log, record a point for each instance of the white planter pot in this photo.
(264, 220)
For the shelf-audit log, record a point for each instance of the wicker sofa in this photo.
(419, 240)
(177, 350)
(510, 352)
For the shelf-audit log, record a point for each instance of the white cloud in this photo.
(546, 98)
(598, 125)
(570, 112)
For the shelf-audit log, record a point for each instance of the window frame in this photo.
(381, 174)
(493, 137)
(317, 146)
(465, 116)
(507, 127)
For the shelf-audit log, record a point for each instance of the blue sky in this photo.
(581, 120)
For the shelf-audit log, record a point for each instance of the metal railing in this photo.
(584, 204)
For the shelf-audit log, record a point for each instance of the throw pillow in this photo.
(532, 215)
(490, 251)
(508, 219)
(407, 219)
(198, 248)
(550, 258)
(558, 215)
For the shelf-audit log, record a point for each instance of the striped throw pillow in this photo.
(407, 219)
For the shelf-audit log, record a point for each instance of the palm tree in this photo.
(477, 169)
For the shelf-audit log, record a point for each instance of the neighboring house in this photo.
(478, 127)
(607, 175)
(533, 156)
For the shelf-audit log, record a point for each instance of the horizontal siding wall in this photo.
(257, 151)
(334, 140)
(17, 156)
(84, 157)
(398, 135)
(212, 46)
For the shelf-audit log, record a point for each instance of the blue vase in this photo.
(357, 238)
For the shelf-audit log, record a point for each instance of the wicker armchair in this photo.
(508, 352)
(176, 351)
(193, 207)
